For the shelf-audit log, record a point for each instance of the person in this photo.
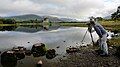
(102, 35)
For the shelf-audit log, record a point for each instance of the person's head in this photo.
(92, 21)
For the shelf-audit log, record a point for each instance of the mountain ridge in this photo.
(26, 17)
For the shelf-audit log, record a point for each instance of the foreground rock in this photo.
(19, 52)
(8, 59)
(50, 54)
(28, 52)
(72, 49)
(38, 49)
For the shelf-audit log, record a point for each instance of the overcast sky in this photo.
(80, 9)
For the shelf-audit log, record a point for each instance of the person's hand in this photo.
(88, 24)
(100, 36)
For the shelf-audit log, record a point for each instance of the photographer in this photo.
(102, 35)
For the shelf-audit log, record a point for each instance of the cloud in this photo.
(63, 8)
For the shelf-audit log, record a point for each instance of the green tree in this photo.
(99, 18)
(116, 15)
(9, 21)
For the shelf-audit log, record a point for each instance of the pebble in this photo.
(28, 42)
(64, 41)
(39, 63)
(58, 47)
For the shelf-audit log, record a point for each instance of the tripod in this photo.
(84, 37)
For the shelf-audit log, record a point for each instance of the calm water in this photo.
(56, 36)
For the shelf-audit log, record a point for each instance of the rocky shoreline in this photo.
(87, 57)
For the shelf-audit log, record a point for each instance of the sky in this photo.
(80, 9)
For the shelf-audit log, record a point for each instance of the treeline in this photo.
(13, 21)
(7, 21)
(30, 21)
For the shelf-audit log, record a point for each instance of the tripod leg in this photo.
(84, 37)
(92, 38)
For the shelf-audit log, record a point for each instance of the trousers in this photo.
(103, 45)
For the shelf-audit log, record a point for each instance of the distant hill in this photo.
(24, 17)
(33, 17)
(107, 17)
(68, 20)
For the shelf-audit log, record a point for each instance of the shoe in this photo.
(104, 55)
(99, 51)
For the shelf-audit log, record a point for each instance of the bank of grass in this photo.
(76, 24)
(115, 41)
(111, 25)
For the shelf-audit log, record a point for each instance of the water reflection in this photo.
(7, 28)
(27, 28)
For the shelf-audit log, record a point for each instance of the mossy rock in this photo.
(28, 52)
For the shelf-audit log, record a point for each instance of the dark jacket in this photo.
(99, 29)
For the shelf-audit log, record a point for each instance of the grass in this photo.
(109, 25)
(115, 41)
(74, 24)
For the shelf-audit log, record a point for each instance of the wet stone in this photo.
(28, 53)
(50, 54)
(8, 56)
(38, 49)
(20, 55)
(36, 54)
(19, 52)
(21, 48)
(72, 49)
